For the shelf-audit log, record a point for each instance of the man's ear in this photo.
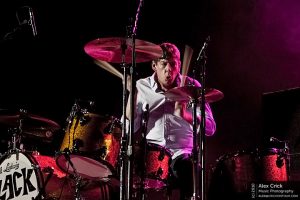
(153, 66)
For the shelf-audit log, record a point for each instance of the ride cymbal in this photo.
(111, 50)
(186, 93)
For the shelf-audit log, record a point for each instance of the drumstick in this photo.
(105, 65)
(188, 52)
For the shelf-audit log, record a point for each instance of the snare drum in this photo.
(154, 167)
(61, 186)
(20, 177)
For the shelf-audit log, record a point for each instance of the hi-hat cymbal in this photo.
(110, 50)
(186, 93)
(32, 125)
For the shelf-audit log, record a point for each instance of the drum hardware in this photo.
(124, 50)
(116, 123)
(75, 175)
(144, 124)
(15, 140)
(22, 125)
(283, 155)
(196, 95)
(90, 148)
(77, 144)
(66, 154)
(193, 95)
(78, 196)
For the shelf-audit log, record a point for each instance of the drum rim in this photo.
(236, 154)
(256, 152)
(85, 155)
(169, 152)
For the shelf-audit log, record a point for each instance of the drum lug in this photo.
(159, 172)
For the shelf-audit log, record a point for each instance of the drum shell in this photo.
(97, 156)
(234, 173)
(110, 148)
(153, 163)
(62, 186)
(88, 129)
(272, 165)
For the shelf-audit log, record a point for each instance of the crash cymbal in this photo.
(186, 93)
(31, 124)
(109, 50)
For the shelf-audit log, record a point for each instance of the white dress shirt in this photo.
(163, 127)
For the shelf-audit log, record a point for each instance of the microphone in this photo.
(203, 48)
(31, 22)
(274, 139)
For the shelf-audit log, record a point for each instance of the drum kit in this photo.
(92, 144)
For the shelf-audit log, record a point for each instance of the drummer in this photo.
(170, 122)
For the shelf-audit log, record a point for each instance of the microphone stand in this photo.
(200, 143)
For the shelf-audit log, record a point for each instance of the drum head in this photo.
(85, 166)
(20, 177)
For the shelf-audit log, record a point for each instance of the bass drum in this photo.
(232, 176)
(90, 147)
(20, 177)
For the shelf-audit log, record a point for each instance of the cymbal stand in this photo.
(77, 195)
(122, 154)
(200, 143)
(144, 125)
(76, 176)
(130, 149)
(193, 103)
(17, 132)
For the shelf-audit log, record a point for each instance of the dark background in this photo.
(254, 50)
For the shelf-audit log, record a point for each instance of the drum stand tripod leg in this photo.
(143, 170)
(145, 117)
(77, 177)
(77, 188)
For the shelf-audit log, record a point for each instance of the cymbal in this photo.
(109, 50)
(186, 93)
(33, 125)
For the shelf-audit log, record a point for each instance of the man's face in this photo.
(166, 71)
